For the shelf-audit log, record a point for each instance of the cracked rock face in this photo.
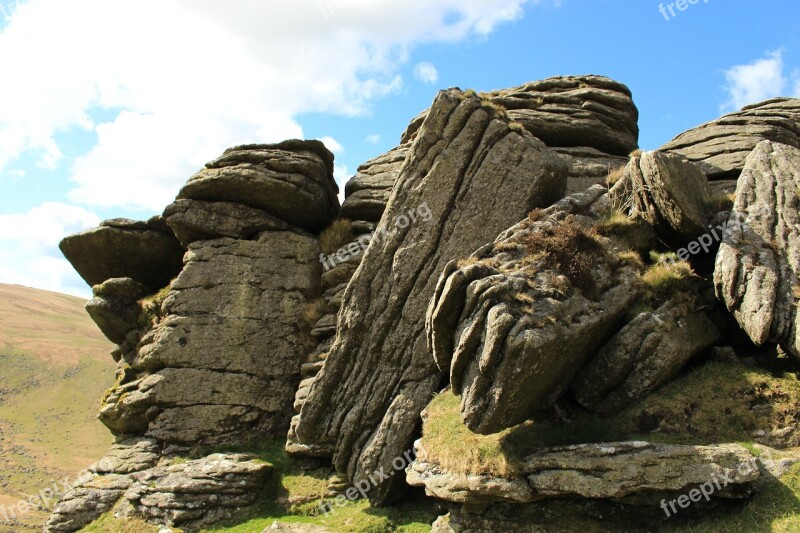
(225, 358)
(757, 270)
(477, 176)
(721, 146)
(499, 325)
(292, 181)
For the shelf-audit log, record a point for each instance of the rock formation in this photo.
(364, 404)
(757, 271)
(514, 255)
(721, 146)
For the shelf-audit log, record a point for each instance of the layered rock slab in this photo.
(224, 358)
(147, 252)
(477, 176)
(292, 181)
(499, 324)
(721, 146)
(590, 111)
(757, 270)
(368, 192)
(612, 470)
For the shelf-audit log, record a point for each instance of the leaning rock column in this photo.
(758, 263)
(477, 176)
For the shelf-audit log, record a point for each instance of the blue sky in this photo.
(107, 107)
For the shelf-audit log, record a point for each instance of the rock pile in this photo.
(515, 249)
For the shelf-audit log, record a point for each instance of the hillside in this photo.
(54, 364)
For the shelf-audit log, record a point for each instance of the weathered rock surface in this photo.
(194, 220)
(114, 307)
(95, 493)
(721, 146)
(198, 492)
(614, 470)
(477, 176)
(147, 252)
(757, 271)
(500, 324)
(645, 354)
(367, 193)
(592, 111)
(292, 181)
(588, 166)
(668, 192)
(225, 357)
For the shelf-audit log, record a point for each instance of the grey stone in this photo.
(379, 376)
(758, 263)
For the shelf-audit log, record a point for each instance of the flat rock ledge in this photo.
(614, 471)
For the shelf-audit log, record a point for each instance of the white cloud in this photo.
(426, 72)
(29, 253)
(373, 139)
(756, 81)
(183, 79)
(332, 144)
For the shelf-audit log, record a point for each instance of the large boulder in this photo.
(292, 180)
(757, 271)
(198, 492)
(646, 353)
(147, 252)
(592, 111)
(499, 324)
(224, 354)
(721, 146)
(666, 191)
(477, 175)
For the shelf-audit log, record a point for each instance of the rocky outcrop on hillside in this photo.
(720, 147)
(210, 353)
(757, 273)
(479, 160)
(516, 259)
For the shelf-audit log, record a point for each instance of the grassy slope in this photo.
(54, 366)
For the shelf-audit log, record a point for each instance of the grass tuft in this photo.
(570, 249)
(314, 310)
(614, 176)
(339, 233)
(666, 276)
(151, 313)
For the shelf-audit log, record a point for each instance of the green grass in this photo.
(713, 403)
(775, 509)
(293, 494)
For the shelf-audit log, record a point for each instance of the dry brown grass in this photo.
(632, 258)
(614, 176)
(721, 202)
(663, 278)
(570, 249)
(314, 310)
(636, 153)
(339, 233)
